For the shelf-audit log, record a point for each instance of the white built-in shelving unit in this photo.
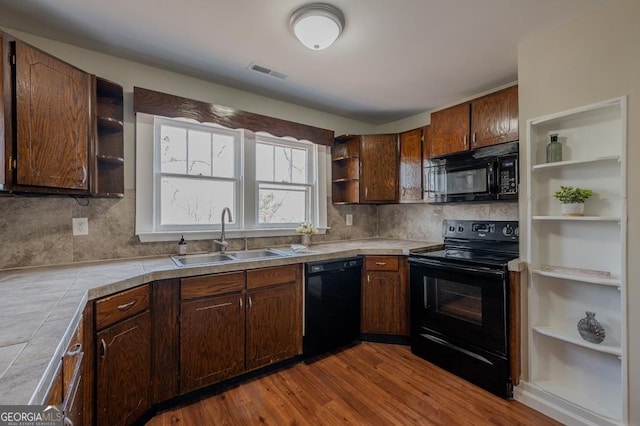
(578, 264)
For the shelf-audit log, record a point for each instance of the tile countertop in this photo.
(42, 306)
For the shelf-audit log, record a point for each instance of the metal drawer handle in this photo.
(104, 349)
(381, 263)
(250, 302)
(240, 303)
(220, 305)
(127, 305)
(74, 350)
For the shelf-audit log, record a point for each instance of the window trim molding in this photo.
(172, 106)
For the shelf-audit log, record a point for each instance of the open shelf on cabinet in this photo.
(579, 218)
(596, 389)
(574, 338)
(613, 282)
(108, 177)
(569, 163)
(345, 170)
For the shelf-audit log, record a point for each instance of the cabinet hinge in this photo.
(13, 164)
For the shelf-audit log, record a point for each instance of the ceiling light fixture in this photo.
(317, 25)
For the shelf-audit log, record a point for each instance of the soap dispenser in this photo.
(182, 245)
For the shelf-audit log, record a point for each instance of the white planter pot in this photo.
(573, 209)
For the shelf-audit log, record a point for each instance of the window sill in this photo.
(153, 237)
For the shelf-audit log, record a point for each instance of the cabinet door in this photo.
(211, 340)
(379, 168)
(450, 130)
(384, 303)
(53, 121)
(274, 325)
(494, 118)
(124, 371)
(411, 165)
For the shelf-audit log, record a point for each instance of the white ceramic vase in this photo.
(573, 209)
(306, 240)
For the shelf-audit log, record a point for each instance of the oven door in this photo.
(446, 182)
(466, 304)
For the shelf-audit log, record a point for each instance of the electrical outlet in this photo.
(349, 219)
(80, 226)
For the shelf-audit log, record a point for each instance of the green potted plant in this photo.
(572, 199)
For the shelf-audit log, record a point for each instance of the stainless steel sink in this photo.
(213, 258)
(257, 254)
(201, 259)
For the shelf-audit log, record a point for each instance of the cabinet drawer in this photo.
(272, 276)
(381, 263)
(209, 285)
(122, 305)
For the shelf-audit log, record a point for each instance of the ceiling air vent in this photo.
(267, 71)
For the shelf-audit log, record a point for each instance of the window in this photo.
(188, 172)
(283, 182)
(197, 174)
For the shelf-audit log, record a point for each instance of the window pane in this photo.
(187, 201)
(282, 204)
(199, 153)
(173, 149)
(283, 164)
(224, 163)
(298, 166)
(264, 162)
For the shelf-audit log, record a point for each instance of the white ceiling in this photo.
(394, 59)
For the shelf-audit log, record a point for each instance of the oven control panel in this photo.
(499, 230)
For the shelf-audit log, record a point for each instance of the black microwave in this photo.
(483, 174)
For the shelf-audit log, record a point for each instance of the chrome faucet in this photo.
(223, 243)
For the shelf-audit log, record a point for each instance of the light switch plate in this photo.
(349, 219)
(80, 226)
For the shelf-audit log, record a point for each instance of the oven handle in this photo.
(426, 293)
(455, 348)
(454, 268)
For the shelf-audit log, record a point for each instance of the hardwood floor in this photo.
(368, 384)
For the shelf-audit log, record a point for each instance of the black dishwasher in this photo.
(332, 305)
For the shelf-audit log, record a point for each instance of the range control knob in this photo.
(460, 229)
(516, 232)
(452, 228)
(507, 230)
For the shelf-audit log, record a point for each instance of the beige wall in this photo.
(593, 58)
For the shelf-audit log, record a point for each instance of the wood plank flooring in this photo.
(368, 384)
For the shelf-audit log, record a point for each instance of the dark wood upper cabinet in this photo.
(494, 118)
(488, 120)
(53, 121)
(411, 165)
(365, 169)
(450, 130)
(379, 168)
(61, 129)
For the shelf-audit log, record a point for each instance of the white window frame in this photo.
(244, 225)
(311, 185)
(158, 175)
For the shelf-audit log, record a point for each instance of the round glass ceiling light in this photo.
(317, 25)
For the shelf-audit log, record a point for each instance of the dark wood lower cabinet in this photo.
(274, 324)
(211, 340)
(123, 358)
(385, 297)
